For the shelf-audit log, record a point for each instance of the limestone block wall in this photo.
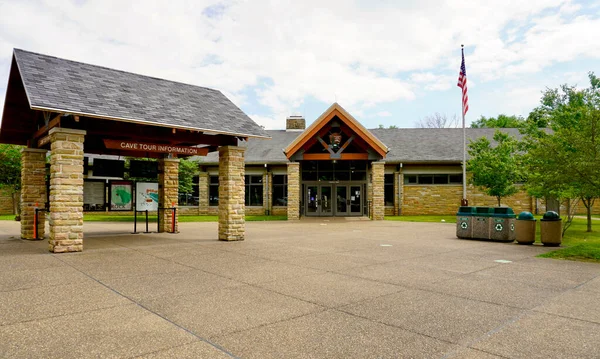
(445, 199)
(293, 178)
(231, 194)
(203, 193)
(33, 192)
(66, 190)
(6, 201)
(168, 190)
(377, 199)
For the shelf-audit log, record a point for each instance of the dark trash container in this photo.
(551, 229)
(525, 226)
(502, 224)
(464, 222)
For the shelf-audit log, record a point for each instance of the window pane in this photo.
(425, 179)
(279, 179)
(342, 176)
(388, 179)
(254, 195)
(279, 195)
(214, 179)
(456, 179)
(389, 194)
(358, 175)
(440, 179)
(255, 179)
(213, 195)
(410, 179)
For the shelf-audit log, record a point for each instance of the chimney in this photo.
(295, 123)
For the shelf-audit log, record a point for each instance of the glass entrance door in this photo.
(355, 200)
(342, 200)
(319, 201)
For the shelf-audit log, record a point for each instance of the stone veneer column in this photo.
(66, 190)
(33, 191)
(268, 192)
(378, 204)
(293, 180)
(397, 193)
(203, 193)
(168, 191)
(232, 208)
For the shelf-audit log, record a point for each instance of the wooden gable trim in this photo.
(347, 119)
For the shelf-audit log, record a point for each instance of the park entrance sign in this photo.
(71, 108)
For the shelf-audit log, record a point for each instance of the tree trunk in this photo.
(16, 205)
(588, 203)
(499, 198)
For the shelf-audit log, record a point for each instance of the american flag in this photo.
(462, 83)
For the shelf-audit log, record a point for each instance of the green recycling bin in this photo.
(464, 222)
(481, 222)
(525, 228)
(551, 229)
(502, 224)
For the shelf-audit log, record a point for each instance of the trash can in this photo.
(551, 229)
(481, 222)
(525, 228)
(502, 224)
(464, 222)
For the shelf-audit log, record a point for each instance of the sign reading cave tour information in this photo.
(121, 196)
(154, 147)
(146, 196)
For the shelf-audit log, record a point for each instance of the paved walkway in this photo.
(310, 289)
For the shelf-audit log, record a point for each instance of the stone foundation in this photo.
(231, 194)
(33, 192)
(66, 190)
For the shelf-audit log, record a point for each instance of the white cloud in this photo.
(362, 54)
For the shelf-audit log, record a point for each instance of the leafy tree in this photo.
(187, 170)
(438, 120)
(566, 162)
(10, 173)
(390, 126)
(502, 121)
(495, 169)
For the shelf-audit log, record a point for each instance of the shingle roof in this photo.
(67, 86)
(407, 145)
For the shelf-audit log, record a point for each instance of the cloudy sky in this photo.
(389, 62)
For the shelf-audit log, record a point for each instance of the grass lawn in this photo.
(578, 244)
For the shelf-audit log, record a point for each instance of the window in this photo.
(433, 179)
(213, 191)
(279, 190)
(388, 182)
(254, 190)
(190, 199)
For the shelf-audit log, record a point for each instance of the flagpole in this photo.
(464, 202)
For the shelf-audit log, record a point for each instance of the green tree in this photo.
(10, 174)
(502, 121)
(566, 162)
(495, 169)
(187, 170)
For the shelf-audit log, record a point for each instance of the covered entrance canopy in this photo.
(335, 155)
(70, 108)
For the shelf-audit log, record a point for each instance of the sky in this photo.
(386, 62)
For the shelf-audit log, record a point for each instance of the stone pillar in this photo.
(293, 203)
(397, 193)
(66, 190)
(168, 191)
(377, 203)
(268, 192)
(33, 191)
(232, 208)
(203, 193)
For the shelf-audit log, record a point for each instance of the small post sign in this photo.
(155, 147)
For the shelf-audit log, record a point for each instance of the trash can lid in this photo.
(526, 216)
(551, 216)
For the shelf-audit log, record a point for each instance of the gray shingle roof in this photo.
(68, 86)
(407, 145)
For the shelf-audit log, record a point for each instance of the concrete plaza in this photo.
(319, 288)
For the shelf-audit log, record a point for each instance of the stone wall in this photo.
(6, 201)
(231, 194)
(203, 184)
(33, 192)
(293, 205)
(168, 190)
(445, 199)
(66, 190)
(377, 199)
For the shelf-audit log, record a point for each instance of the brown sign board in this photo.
(154, 147)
